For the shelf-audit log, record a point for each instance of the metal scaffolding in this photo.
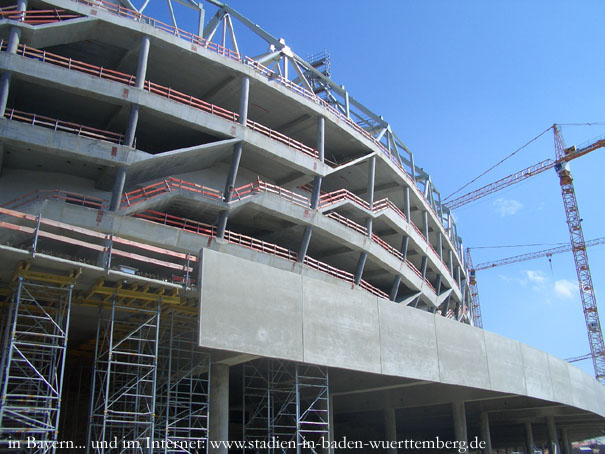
(288, 402)
(33, 359)
(183, 386)
(122, 410)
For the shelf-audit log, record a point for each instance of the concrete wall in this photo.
(254, 308)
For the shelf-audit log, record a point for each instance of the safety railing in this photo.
(272, 134)
(37, 17)
(328, 269)
(373, 290)
(347, 222)
(65, 126)
(342, 194)
(57, 194)
(128, 13)
(260, 186)
(390, 249)
(167, 185)
(384, 204)
(175, 221)
(55, 233)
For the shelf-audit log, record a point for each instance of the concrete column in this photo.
(459, 416)
(395, 288)
(229, 187)
(565, 445)
(390, 428)
(452, 262)
(458, 279)
(5, 81)
(316, 194)
(361, 263)
(201, 20)
(457, 311)
(440, 245)
(552, 434)
(1, 158)
(219, 406)
(12, 45)
(438, 285)
(425, 225)
(347, 107)
(142, 63)
(529, 439)
(370, 192)
(243, 101)
(485, 434)
(406, 203)
(131, 129)
(321, 137)
(304, 244)
(404, 247)
(118, 189)
(423, 266)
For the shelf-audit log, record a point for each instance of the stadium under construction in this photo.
(201, 246)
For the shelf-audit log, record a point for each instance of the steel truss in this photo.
(150, 383)
(183, 388)
(33, 360)
(287, 402)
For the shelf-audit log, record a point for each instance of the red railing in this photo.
(373, 290)
(37, 17)
(95, 242)
(58, 194)
(347, 222)
(181, 223)
(260, 186)
(272, 134)
(342, 194)
(384, 204)
(65, 126)
(165, 186)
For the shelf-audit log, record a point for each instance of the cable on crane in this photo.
(497, 164)
(517, 245)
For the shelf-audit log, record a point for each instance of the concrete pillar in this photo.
(219, 406)
(458, 278)
(395, 288)
(438, 285)
(370, 192)
(425, 225)
(404, 247)
(451, 262)
(5, 81)
(321, 137)
(304, 244)
(200, 21)
(131, 129)
(1, 157)
(361, 263)
(565, 445)
(406, 203)
(485, 433)
(552, 434)
(459, 416)
(118, 189)
(423, 266)
(440, 245)
(142, 63)
(243, 101)
(390, 428)
(529, 439)
(12, 45)
(316, 194)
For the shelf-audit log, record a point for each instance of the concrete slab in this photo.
(505, 364)
(407, 342)
(462, 354)
(340, 327)
(250, 307)
(537, 373)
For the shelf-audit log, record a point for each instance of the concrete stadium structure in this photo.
(198, 245)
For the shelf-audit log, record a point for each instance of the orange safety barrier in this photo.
(347, 222)
(260, 186)
(96, 241)
(309, 151)
(165, 186)
(65, 126)
(57, 194)
(342, 194)
(37, 17)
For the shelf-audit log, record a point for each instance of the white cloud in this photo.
(535, 276)
(506, 207)
(565, 289)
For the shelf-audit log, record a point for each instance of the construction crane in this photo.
(533, 255)
(563, 156)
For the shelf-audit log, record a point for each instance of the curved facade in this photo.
(178, 206)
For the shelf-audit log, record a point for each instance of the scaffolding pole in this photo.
(122, 414)
(183, 389)
(33, 362)
(285, 402)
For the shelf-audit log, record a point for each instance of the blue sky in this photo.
(464, 83)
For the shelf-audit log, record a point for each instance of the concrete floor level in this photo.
(246, 256)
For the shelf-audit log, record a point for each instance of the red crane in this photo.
(563, 156)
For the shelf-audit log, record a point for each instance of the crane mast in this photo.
(574, 222)
(472, 283)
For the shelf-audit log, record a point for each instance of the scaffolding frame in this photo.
(33, 358)
(288, 402)
(183, 403)
(122, 410)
